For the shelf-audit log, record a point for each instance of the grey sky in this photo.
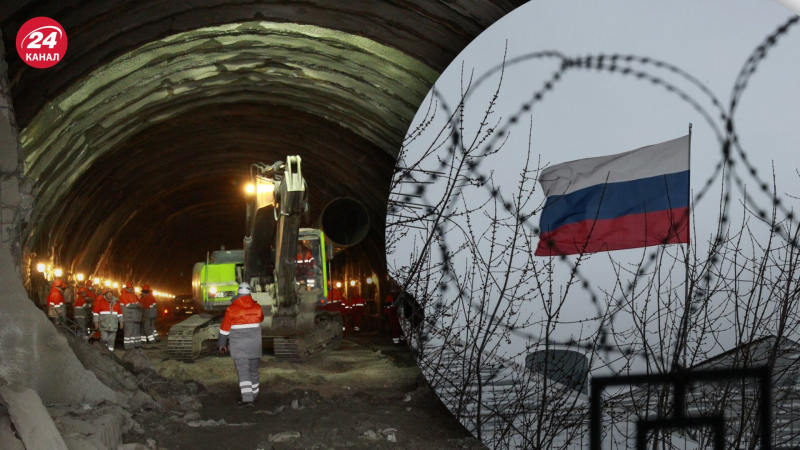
(592, 113)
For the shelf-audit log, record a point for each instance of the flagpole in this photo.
(686, 300)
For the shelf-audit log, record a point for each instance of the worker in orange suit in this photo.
(132, 316)
(357, 305)
(240, 333)
(336, 302)
(149, 311)
(304, 268)
(83, 305)
(107, 317)
(55, 301)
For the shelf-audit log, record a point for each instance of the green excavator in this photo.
(286, 266)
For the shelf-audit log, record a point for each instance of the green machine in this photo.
(285, 265)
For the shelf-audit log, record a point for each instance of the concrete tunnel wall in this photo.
(32, 353)
(138, 141)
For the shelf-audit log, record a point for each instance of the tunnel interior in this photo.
(139, 143)
(142, 165)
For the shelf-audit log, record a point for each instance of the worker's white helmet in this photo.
(244, 288)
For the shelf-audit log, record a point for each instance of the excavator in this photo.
(287, 267)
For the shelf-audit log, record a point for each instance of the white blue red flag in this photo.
(630, 200)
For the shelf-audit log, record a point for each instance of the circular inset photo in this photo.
(591, 228)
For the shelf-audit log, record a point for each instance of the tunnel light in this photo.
(165, 311)
(58, 272)
(369, 280)
(137, 289)
(250, 188)
(352, 282)
(40, 267)
(265, 187)
(212, 290)
(79, 277)
(338, 284)
(97, 281)
(108, 283)
(116, 285)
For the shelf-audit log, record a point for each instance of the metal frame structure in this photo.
(680, 381)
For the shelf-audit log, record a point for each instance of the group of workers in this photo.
(352, 310)
(239, 335)
(133, 314)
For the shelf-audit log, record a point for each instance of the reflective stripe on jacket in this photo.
(356, 300)
(56, 298)
(149, 306)
(83, 295)
(242, 326)
(130, 303)
(107, 313)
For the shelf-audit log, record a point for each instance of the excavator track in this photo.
(186, 338)
(288, 350)
(327, 336)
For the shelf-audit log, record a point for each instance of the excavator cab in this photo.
(311, 274)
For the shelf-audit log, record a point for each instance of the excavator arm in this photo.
(278, 200)
(290, 208)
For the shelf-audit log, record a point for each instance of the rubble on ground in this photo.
(216, 423)
(140, 394)
(136, 361)
(30, 419)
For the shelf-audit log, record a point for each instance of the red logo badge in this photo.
(41, 42)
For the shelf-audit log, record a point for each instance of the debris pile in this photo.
(140, 396)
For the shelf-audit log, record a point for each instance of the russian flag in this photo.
(630, 200)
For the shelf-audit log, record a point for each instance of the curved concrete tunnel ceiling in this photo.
(140, 161)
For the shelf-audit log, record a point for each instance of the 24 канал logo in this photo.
(41, 42)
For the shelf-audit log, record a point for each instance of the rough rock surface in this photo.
(105, 366)
(31, 350)
(136, 361)
(30, 418)
(8, 438)
(115, 373)
(89, 427)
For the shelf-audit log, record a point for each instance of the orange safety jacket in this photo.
(244, 312)
(83, 294)
(356, 300)
(305, 264)
(148, 301)
(56, 298)
(102, 306)
(388, 304)
(127, 298)
(335, 295)
(242, 324)
(130, 305)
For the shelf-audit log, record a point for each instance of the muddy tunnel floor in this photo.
(367, 395)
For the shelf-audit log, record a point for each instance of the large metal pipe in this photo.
(345, 221)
